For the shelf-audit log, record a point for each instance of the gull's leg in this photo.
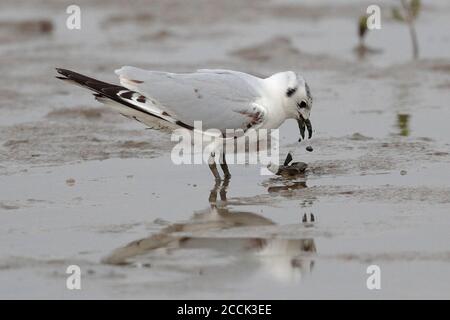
(213, 194)
(223, 189)
(213, 167)
(224, 167)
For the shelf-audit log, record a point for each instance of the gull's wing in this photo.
(221, 99)
(129, 103)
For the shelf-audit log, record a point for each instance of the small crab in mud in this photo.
(288, 169)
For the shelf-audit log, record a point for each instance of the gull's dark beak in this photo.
(302, 125)
(309, 127)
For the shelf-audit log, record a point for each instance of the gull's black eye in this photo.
(302, 105)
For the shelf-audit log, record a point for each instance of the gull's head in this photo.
(298, 101)
(298, 97)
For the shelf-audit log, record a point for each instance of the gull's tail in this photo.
(129, 103)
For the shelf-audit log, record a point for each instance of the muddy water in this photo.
(81, 185)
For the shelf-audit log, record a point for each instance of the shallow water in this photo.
(81, 185)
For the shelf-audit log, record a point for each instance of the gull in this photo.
(221, 99)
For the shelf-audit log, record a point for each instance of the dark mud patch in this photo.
(56, 143)
(383, 194)
(361, 155)
(8, 206)
(281, 53)
(116, 228)
(362, 51)
(23, 204)
(11, 31)
(409, 256)
(8, 97)
(115, 21)
(312, 12)
(428, 195)
(359, 137)
(161, 35)
(443, 86)
(16, 262)
(130, 144)
(439, 154)
(70, 182)
(15, 143)
(444, 67)
(275, 47)
(76, 113)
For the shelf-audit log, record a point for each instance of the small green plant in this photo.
(403, 124)
(362, 29)
(408, 13)
(362, 49)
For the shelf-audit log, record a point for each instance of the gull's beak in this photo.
(302, 125)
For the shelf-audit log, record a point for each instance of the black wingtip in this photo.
(64, 72)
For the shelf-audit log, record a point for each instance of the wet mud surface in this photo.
(83, 185)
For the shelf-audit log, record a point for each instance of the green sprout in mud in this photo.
(361, 49)
(403, 124)
(362, 28)
(408, 13)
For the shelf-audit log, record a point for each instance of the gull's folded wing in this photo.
(221, 99)
(129, 103)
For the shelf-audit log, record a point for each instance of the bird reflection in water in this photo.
(222, 240)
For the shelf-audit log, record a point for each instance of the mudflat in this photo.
(81, 185)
